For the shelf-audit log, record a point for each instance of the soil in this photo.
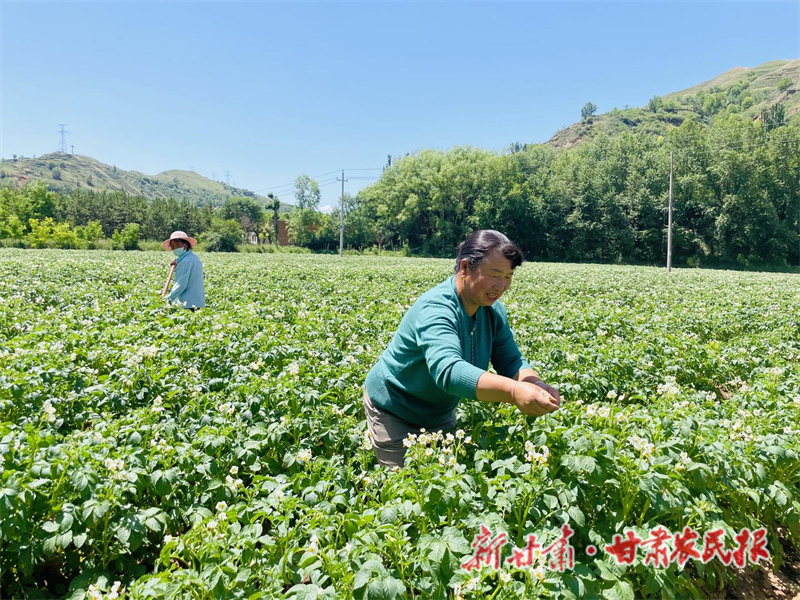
(763, 583)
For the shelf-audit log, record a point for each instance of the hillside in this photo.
(743, 90)
(65, 172)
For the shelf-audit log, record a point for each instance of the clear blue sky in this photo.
(271, 90)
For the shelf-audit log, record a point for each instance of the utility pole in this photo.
(228, 178)
(669, 219)
(73, 149)
(341, 217)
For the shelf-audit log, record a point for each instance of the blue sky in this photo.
(267, 91)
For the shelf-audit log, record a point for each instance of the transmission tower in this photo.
(62, 147)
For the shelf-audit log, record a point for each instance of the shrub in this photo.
(49, 234)
(128, 238)
(12, 227)
(90, 233)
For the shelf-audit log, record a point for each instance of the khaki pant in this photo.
(388, 431)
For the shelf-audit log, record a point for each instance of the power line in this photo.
(274, 187)
(290, 186)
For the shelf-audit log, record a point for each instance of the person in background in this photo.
(441, 351)
(187, 289)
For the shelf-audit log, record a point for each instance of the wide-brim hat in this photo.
(178, 235)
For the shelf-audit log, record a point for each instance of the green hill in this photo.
(65, 172)
(742, 90)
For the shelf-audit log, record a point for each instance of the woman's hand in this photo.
(534, 400)
(550, 390)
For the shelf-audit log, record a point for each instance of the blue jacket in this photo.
(188, 288)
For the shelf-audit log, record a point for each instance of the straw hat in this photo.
(178, 235)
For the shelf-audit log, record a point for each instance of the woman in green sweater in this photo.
(441, 351)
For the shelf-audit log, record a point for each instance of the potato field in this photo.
(154, 452)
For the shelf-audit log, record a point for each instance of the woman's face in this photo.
(483, 285)
(176, 244)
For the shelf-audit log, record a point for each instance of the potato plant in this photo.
(153, 452)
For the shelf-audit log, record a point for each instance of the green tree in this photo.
(274, 204)
(49, 234)
(90, 233)
(223, 236)
(128, 238)
(424, 201)
(713, 103)
(513, 200)
(306, 193)
(359, 224)
(33, 201)
(588, 110)
(773, 116)
(359, 230)
(303, 225)
(247, 212)
(784, 84)
(656, 104)
(591, 182)
(11, 227)
(748, 228)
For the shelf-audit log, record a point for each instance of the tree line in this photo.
(736, 202)
(35, 216)
(736, 197)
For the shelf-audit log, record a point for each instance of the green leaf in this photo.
(123, 534)
(550, 501)
(50, 526)
(385, 587)
(50, 545)
(622, 590)
(161, 484)
(576, 514)
(605, 572)
(365, 573)
(304, 591)
(154, 519)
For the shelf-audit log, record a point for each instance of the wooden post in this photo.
(669, 220)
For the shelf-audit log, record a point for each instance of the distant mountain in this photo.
(65, 172)
(743, 90)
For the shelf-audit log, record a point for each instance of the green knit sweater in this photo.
(438, 354)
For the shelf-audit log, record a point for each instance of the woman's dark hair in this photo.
(483, 242)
